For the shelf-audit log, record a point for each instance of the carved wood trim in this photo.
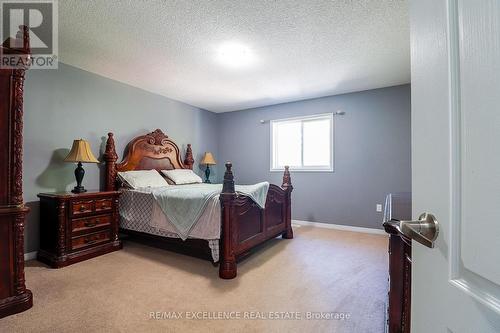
(228, 184)
(189, 160)
(110, 158)
(288, 187)
(15, 181)
(275, 194)
(61, 232)
(21, 45)
(405, 318)
(17, 82)
(287, 179)
(116, 217)
(243, 204)
(155, 145)
(227, 266)
(25, 35)
(15, 296)
(19, 279)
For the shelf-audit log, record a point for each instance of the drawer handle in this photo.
(89, 240)
(82, 208)
(103, 206)
(91, 224)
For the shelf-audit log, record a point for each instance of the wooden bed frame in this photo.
(244, 225)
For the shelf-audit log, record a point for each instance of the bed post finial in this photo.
(287, 186)
(228, 186)
(110, 158)
(24, 35)
(287, 180)
(227, 265)
(21, 42)
(189, 160)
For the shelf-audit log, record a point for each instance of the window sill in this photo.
(303, 170)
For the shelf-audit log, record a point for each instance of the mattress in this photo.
(140, 212)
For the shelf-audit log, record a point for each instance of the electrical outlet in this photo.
(379, 208)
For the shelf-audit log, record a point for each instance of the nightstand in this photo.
(77, 227)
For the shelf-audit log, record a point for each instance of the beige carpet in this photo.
(321, 270)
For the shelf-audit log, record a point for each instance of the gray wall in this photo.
(372, 141)
(372, 154)
(69, 103)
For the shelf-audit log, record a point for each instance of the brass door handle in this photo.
(425, 230)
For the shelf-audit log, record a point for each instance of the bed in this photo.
(243, 224)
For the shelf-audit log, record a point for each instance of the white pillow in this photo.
(182, 176)
(142, 178)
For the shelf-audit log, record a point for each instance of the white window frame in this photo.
(303, 119)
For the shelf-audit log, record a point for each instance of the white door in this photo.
(456, 163)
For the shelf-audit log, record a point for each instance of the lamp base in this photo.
(79, 189)
(79, 173)
(207, 175)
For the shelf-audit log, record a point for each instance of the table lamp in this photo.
(208, 160)
(80, 153)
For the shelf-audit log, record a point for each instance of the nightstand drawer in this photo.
(76, 227)
(90, 223)
(90, 239)
(103, 205)
(82, 207)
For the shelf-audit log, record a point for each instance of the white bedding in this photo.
(182, 176)
(139, 211)
(142, 178)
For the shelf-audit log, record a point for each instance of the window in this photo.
(304, 144)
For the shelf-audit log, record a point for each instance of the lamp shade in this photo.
(208, 159)
(80, 152)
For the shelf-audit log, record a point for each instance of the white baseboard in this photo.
(30, 256)
(340, 227)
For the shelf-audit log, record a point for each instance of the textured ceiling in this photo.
(301, 48)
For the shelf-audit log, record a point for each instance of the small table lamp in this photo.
(80, 153)
(208, 160)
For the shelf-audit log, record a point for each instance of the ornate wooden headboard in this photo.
(151, 151)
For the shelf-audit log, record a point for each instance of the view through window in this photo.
(304, 144)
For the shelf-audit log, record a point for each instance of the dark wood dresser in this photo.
(14, 297)
(398, 207)
(76, 227)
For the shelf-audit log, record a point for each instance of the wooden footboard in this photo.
(246, 225)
